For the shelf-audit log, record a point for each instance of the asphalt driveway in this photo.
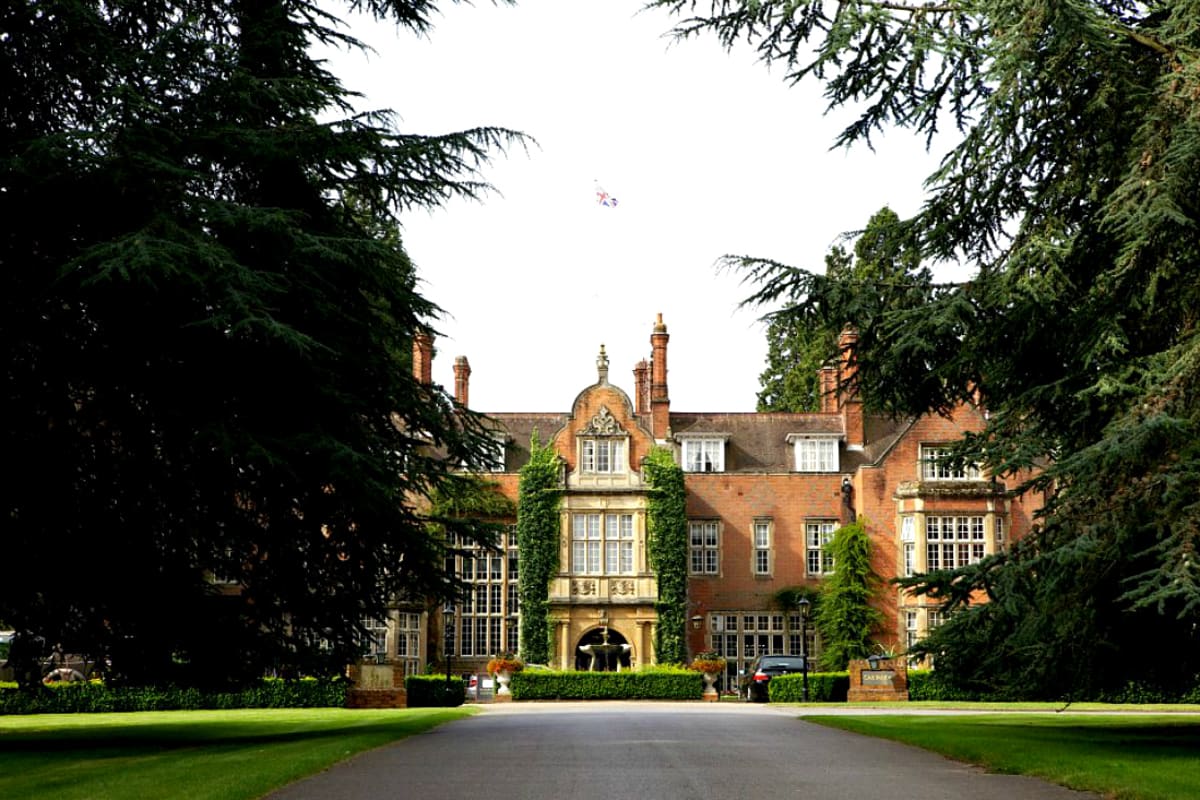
(652, 750)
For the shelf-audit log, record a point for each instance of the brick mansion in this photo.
(765, 492)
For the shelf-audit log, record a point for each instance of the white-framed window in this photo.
(762, 546)
(602, 456)
(704, 454)
(602, 544)
(703, 547)
(376, 645)
(815, 453)
(910, 629)
(952, 542)
(910, 559)
(818, 533)
(935, 466)
(484, 618)
(936, 618)
(999, 531)
(408, 642)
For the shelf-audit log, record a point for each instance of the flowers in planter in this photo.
(709, 661)
(505, 662)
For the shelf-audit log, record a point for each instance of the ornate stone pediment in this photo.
(603, 424)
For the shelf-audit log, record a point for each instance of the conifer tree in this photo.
(1071, 188)
(845, 616)
(884, 267)
(219, 450)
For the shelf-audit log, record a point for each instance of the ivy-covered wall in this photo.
(667, 544)
(539, 494)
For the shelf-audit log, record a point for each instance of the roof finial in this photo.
(602, 366)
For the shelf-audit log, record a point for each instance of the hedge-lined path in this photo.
(650, 751)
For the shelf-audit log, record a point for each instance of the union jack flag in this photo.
(604, 198)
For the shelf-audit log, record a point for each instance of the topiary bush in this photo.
(655, 683)
(434, 691)
(823, 687)
(91, 698)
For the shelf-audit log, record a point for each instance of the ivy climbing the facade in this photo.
(539, 493)
(667, 545)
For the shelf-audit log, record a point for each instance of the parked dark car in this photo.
(753, 683)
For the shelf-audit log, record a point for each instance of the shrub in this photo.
(434, 691)
(823, 687)
(652, 683)
(90, 698)
(1137, 692)
(923, 684)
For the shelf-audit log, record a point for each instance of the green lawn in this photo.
(1143, 757)
(201, 755)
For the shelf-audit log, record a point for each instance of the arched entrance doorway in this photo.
(603, 650)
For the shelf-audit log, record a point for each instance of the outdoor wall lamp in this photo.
(697, 621)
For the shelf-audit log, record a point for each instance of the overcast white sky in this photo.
(707, 154)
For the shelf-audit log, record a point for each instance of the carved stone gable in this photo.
(603, 424)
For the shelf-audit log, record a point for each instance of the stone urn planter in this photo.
(712, 666)
(503, 667)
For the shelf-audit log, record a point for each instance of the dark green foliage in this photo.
(667, 546)
(467, 510)
(883, 274)
(655, 683)
(434, 691)
(91, 698)
(796, 351)
(207, 320)
(845, 616)
(1071, 187)
(538, 526)
(823, 687)
(924, 684)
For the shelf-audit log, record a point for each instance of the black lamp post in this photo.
(803, 604)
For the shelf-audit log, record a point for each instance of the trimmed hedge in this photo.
(823, 687)
(923, 684)
(91, 698)
(659, 683)
(433, 691)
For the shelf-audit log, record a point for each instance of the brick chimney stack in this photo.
(422, 357)
(462, 380)
(848, 399)
(827, 378)
(641, 387)
(660, 402)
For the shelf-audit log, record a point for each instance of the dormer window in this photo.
(703, 453)
(814, 453)
(495, 460)
(937, 466)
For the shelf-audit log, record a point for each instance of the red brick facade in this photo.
(792, 477)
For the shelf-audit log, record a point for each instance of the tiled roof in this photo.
(520, 428)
